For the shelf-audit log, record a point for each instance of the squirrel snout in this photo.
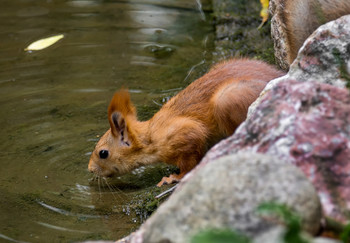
(92, 168)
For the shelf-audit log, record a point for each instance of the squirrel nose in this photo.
(92, 168)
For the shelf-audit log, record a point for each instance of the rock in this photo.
(99, 241)
(276, 234)
(273, 235)
(293, 21)
(226, 194)
(306, 124)
(325, 58)
(325, 240)
(325, 55)
(279, 34)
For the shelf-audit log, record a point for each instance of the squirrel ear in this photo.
(119, 128)
(117, 123)
(121, 109)
(121, 103)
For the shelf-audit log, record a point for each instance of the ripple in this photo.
(54, 102)
(65, 212)
(136, 91)
(83, 3)
(32, 12)
(200, 9)
(89, 90)
(7, 80)
(62, 228)
(159, 51)
(88, 153)
(152, 31)
(154, 18)
(10, 239)
(143, 61)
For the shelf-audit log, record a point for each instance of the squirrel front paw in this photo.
(173, 178)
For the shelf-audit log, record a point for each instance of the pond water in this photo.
(54, 104)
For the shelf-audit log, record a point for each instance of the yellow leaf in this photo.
(264, 13)
(43, 43)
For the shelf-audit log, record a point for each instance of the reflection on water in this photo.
(53, 106)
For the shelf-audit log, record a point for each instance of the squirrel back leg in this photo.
(231, 103)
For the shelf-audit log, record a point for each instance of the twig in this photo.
(166, 192)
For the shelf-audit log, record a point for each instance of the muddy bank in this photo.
(237, 34)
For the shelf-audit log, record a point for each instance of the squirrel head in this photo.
(115, 152)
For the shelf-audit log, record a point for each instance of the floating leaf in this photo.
(264, 13)
(43, 43)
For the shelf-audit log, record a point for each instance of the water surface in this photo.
(54, 104)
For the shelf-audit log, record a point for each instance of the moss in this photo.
(342, 67)
(30, 197)
(144, 204)
(216, 235)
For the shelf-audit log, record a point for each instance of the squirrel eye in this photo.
(103, 154)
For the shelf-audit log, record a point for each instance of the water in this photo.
(54, 104)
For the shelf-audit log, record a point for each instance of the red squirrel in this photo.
(181, 132)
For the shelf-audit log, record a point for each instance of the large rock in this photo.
(306, 124)
(226, 193)
(293, 21)
(325, 58)
(325, 55)
(276, 235)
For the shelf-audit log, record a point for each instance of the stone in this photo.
(325, 240)
(99, 241)
(276, 234)
(306, 124)
(325, 55)
(279, 34)
(226, 193)
(325, 58)
(293, 21)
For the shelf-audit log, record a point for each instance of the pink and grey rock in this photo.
(306, 124)
(325, 55)
(293, 21)
(324, 58)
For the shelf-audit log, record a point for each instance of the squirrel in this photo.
(300, 18)
(181, 132)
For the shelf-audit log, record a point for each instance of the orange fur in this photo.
(180, 133)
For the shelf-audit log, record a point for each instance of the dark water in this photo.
(54, 102)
